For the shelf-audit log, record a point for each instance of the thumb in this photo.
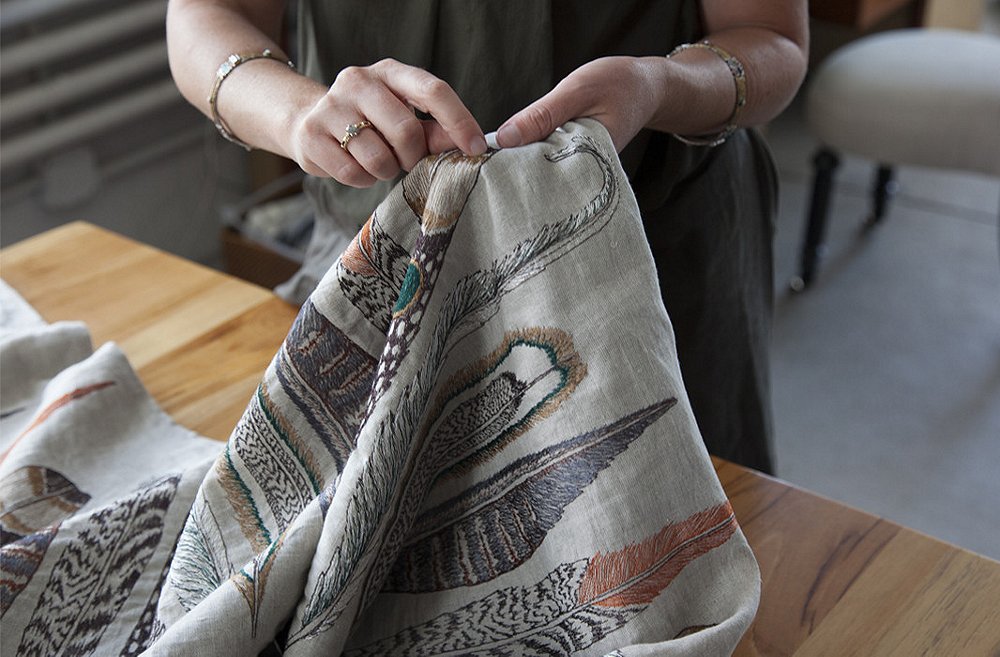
(538, 120)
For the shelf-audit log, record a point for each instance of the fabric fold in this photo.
(95, 484)
(475, 440)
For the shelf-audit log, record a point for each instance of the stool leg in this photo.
(825, 163)
(883, 189)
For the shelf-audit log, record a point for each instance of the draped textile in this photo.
(474, 440)
(95, 485)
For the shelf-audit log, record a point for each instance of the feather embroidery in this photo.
(145, 631)
(241, 500)
(575, 606)
(497, 525)
(201, 563)
(47, 412)
(251, 581)
(96, 572)
(327, 378)
(371, 271)
(493, 413)
(19, 560)
(280, 466)
(34, 500)
(478, 428)
(636, 574)
(456, 175)
(34, 497)
(470, 303)
(476, 298)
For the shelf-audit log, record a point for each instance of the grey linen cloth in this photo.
(475, 440)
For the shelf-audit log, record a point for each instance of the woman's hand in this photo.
(384, 94)
(691, 93)
(622, 93)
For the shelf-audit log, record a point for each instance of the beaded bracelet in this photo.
(739, 78)
(225, 68)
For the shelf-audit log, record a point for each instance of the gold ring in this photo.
(352, 131)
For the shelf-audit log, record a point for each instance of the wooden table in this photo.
(836, 581)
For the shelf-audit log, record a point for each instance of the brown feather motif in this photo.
(637, 573)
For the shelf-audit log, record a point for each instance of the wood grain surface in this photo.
(835, 581)
(199, 340)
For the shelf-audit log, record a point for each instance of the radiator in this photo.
(84, 74)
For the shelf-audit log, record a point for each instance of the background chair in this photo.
(906, 97)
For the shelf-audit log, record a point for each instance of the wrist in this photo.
(695, 93)
(227, 67)
(738, 73)
(295, 102)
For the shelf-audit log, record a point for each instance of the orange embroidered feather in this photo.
(53, 407)
(637, 573)
(355, 258)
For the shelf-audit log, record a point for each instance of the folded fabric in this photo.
(95, 485)
(474, 441)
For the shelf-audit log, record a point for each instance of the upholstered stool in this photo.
(906, 97)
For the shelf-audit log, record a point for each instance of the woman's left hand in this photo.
(620, 92)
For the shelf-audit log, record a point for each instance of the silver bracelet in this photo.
(739, 78)
(225, 68)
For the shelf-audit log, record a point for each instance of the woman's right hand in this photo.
(384, 94)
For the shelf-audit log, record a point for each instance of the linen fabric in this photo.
(708, 212)
(474, 440)
(95, 485)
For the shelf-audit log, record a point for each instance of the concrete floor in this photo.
(886, 373)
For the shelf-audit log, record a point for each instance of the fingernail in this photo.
(477, 146)
(508, 136)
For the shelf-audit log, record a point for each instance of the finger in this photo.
(328, 160)
(396, 122)
(317, 147)
(434, 96)
(438, 141)
(373, 154)
(540, 119)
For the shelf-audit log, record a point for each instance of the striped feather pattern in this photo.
(34, 497)
(19, 561)
(327, 377)
(575, 606)
(497, 525)
(370, 273)
(96, 572)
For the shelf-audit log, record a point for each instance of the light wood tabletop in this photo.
(836, 581)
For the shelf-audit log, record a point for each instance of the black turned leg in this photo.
(825, 162)
(883, 189)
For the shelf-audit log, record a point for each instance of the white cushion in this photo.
(912, 97)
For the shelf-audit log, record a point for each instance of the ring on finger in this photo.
(352, 131)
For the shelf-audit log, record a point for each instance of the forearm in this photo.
(691, 93)
(697, 90)
(266, 104)
(260, 99)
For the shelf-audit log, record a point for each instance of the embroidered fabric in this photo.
(461, 447)
(709, 216)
